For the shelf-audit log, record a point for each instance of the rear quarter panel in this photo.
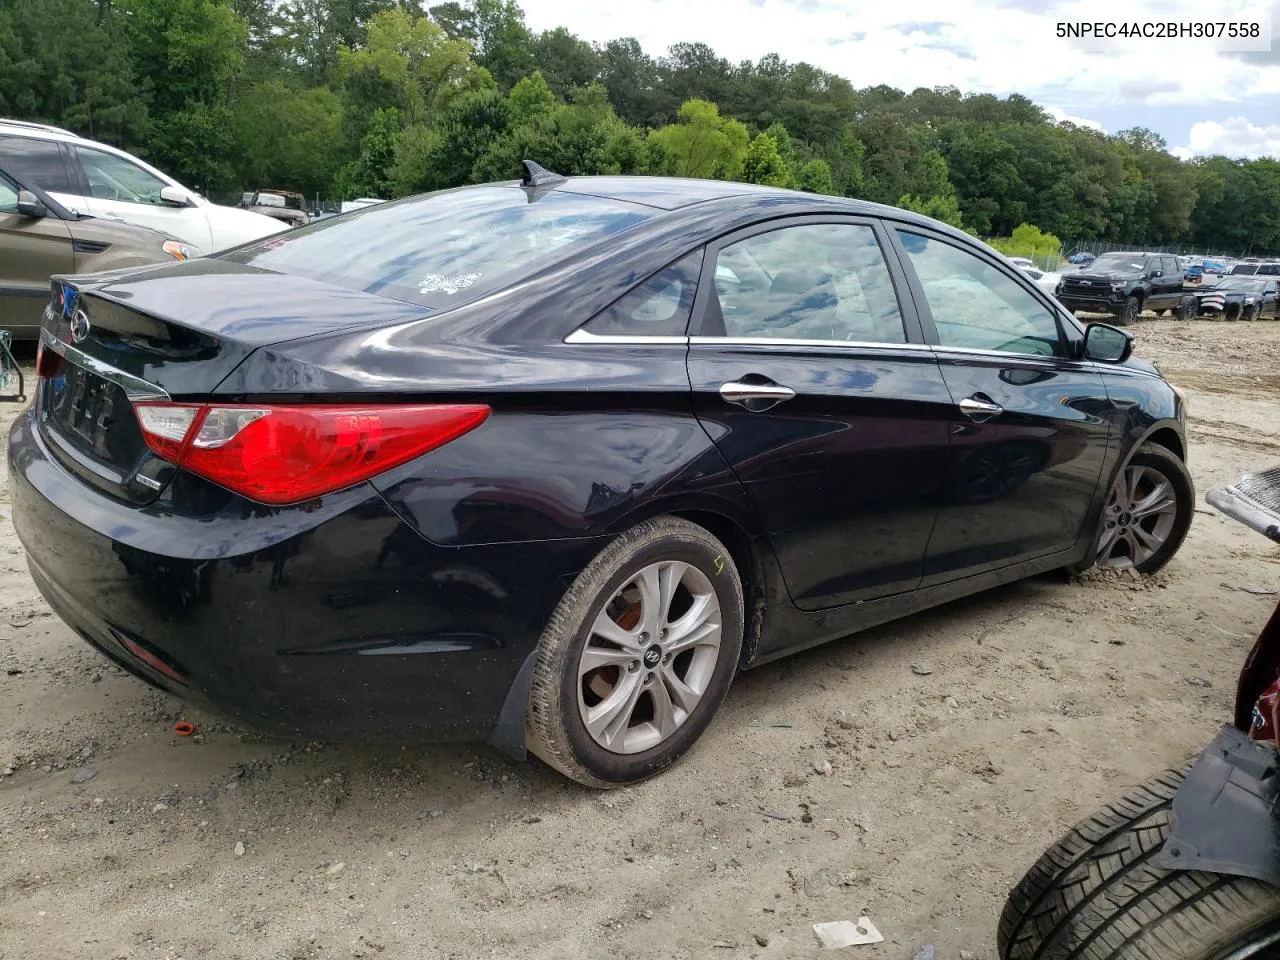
(584, 439)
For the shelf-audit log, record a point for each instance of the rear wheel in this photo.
(638, 655)
(1188, 309)
(1093, 895)
(1148, 512)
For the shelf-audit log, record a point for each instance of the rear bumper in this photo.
(334, 620)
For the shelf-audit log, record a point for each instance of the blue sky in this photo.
(1201, 99)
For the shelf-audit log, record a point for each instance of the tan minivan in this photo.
(39, 237)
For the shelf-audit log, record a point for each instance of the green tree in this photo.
(844, 158)
(582, 138)
(288, 137)
(763, 164)
(944, 208)
(60, 63)
(503, 43)
(1028, 240)
(565, 60)
(786, 147)
(530, 98)
(633, 81)
(191, 50)
(815, 177)
(409, 63)
(700, 144)
(370, 174)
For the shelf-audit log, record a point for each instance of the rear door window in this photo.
(816, 281)
(39, 161)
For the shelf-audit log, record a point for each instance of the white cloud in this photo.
(976, 45)
(1235, 137)
(1061, 116)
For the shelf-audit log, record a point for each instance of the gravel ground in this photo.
(1044, 698)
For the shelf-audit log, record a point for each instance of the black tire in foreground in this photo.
(637, 656)
(1094, 896)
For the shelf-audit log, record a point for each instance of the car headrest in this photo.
(799, 280)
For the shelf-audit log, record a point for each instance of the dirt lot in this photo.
(1045, 698)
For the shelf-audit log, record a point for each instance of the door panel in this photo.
(1021, 483)
(31, 250)
(836, 425)
(1030, 424)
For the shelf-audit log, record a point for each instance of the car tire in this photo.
(1188, 309)
(1155, 463)
(602, 617)
(1130, 313)
(1093, 894)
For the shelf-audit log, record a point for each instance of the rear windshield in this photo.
(446, 248)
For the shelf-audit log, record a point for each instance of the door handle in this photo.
(737, 392)
(980, 409)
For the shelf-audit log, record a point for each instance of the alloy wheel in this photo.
(649, 658)
(1139, 518)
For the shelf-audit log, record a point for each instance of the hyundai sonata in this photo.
(547, 462)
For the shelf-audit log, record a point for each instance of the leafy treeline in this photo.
(387, 97)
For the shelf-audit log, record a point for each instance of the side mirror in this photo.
(175, 197)
(1107, 344)
(29, 205)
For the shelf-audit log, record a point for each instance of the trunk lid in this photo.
(169, 332)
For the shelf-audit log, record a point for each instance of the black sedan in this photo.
(547, 462)
(1239, 297)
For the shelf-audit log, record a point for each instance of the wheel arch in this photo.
(1168, 437)
(749, 554)
(734, 525)
(1167, 433)
(748, 558)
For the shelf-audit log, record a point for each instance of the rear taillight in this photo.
(287, 454)
(48, 363)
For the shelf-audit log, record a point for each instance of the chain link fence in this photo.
(1098, 247)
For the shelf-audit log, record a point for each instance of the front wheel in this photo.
(1148, 512)
(1130, 312)
(637, 656)
(1093, 894)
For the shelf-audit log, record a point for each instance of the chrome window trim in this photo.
(135, 388)
(998, 354)
(785, 342)
(633, 339)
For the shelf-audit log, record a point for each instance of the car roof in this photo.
(677, 193)
(665, 193)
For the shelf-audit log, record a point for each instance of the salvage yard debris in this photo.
(845, 933)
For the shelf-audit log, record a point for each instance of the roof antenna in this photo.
(534, 175)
